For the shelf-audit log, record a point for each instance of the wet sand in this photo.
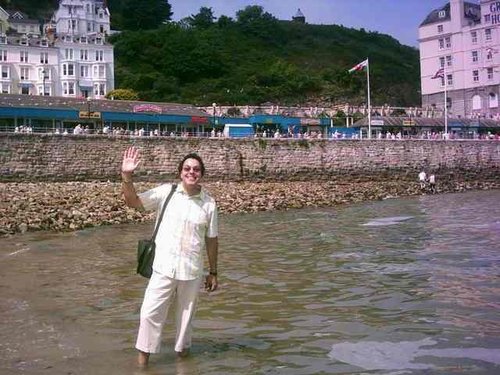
(67, 206)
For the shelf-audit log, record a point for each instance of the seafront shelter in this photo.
(46, 114)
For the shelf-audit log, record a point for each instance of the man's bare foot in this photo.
(142, 359)
(184, 353)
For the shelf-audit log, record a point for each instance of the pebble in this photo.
(67, 206)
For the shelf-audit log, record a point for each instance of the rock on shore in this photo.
(75, 205)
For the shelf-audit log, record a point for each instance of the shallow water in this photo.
(406, 286)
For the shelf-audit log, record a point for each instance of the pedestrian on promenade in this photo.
(189, 226)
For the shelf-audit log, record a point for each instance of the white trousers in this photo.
(158, 297)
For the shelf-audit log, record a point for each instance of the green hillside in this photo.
(256, 58)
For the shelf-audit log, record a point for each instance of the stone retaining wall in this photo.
(33, 157)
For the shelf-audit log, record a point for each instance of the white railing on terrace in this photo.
(314, 112)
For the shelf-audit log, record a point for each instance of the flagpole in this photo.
(369, 104)
(445, 103)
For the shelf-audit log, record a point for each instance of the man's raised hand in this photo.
(130, 160)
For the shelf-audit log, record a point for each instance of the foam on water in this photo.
(373, 355)
(384, 221)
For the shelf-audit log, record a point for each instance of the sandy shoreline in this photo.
(74, 205)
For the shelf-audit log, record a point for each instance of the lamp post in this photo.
(88, 108)
(214, 105)
(43, 80)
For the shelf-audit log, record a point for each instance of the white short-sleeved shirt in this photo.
(180, 241)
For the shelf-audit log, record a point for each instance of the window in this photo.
(493, 100)
(473, 37)
(98, 40)
(44, 43)
(99, 71)
(68, 88)
(3, 39)
(68, 69)
(490, 73)
(5, 72)
(89, 27)
(441, 43)
(99, 89)
(475, 57)
(25, 90)
(99, 55)
(23, 56)
(3, 55)
(448, 102)
(440, 28)
(85, 71)
(44, 57)
(447, 41)
(43, 74)
(450, 79)
(487, 34)
(475, 75)
(84, 54)
(476, 102)
(68, 53)
(442, 14)
(448, 60)
(24, 73)
(83, 40)
(441, 62)
(23, 41)
(5, 88)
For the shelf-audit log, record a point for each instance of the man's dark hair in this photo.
(195, 156)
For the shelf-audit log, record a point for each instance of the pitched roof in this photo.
(103, 105)
(471, 11)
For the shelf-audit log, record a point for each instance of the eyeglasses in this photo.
(187, 168)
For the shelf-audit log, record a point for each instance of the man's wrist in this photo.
(126, 177)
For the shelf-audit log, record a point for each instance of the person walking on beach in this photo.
(189, 225)
(432, 183)
(422, 177)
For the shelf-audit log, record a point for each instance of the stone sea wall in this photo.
(50, 182)
(33, 157)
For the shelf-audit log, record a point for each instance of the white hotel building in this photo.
(69, 58)
(463, 39)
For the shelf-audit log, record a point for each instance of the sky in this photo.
(398, 18)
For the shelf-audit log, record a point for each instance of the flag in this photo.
(438, 74)
(490, 51)
(360, 66)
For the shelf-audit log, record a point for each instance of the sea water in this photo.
(401, 286)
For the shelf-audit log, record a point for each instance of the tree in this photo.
(203, 20)
(122, 94)
(144, 14)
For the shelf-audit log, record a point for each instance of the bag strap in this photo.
(174, 186)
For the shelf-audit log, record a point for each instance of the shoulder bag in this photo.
(146, 247)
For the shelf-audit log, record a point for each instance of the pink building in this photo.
(460, 52)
